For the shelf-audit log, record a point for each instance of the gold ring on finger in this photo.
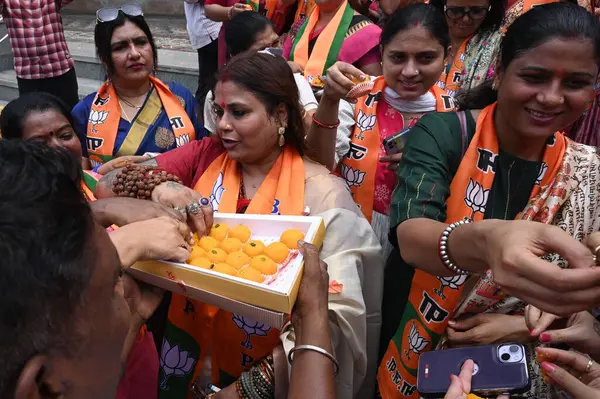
(597, 255)
(588, 368)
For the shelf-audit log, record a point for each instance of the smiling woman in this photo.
(260, 164)
(133, 112)
(508, 161)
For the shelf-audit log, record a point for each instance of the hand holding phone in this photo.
(461, 384)
(395, 143)
(497, 369)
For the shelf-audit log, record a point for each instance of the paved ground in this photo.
(169, 32)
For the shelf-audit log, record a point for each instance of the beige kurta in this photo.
(353, 255)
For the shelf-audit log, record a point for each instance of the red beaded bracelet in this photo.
(324, 126)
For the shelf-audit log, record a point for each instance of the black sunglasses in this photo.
(475, 12)
(110, 14)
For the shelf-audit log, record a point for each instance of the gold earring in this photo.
(281, 132)
(495, 84)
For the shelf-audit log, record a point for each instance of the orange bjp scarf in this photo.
(328, 44)
(428, 310)
(105, 115)
(451, 78)
(238, 342)
(360, 164)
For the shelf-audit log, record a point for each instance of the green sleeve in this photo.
(431, 158)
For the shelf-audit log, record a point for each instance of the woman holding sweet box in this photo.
(258, 164)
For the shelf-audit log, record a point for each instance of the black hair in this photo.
(15, 112)
(246, 69)
(419, 14)
(47, 254)
(103, 36)
(532, 29)
(241, 31)
(492, 20)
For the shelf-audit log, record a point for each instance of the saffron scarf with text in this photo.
(359, 166)
(328, 44)
(428, 310)
(105, 115)
(233, 341)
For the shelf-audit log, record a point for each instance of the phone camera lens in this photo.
(514, 349)
(505, 356)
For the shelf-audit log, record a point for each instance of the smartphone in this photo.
(395, 143)
(275, 51)
(499, 369)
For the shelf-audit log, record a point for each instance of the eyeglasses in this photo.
(110, 14)
(475, 12)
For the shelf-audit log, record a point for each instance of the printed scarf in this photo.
(432, 300)
(360, 164)
(329, 42)
(105, 115)
(197, 329)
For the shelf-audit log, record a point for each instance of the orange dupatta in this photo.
(328, 43)
(360, 164)
(428, 311)
(451, 78)
(105, 115)
(236, 342)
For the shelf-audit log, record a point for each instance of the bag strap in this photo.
(462, 117)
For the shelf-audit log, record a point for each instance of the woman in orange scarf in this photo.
(463, 184)
(43, 118)
(257, 164)
(333, 32)
(133, 112)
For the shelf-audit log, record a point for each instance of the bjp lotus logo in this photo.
(541, 173)
(416, 342)
(250, 328)
(97, 118)
(182, 140)
(217, 193)
(174, 362)
(354, 178)
(453, 283)
(476, 197)
(365, 123)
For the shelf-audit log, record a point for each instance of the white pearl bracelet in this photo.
(444, 247)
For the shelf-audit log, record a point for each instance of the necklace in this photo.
(124, 113)
(130, 104)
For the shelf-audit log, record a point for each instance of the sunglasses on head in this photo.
(475, 12)
(110, 13)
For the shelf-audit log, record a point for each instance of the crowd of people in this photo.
(295, 101)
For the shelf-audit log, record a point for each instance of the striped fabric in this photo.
(37, 39)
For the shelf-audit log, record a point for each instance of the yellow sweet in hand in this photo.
(291, 237)
(231, 244)
(196, 252)
(219, 231)
(217, 255)
(237, 259)
(277, 251)
(201, 262)
(254, 248)
(264, 264)
(240, 232)
(207, 243)
(225, 269)
(250, 273)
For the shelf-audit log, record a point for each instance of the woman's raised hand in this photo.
(197, 210)
(513, 251)
(338, 80)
